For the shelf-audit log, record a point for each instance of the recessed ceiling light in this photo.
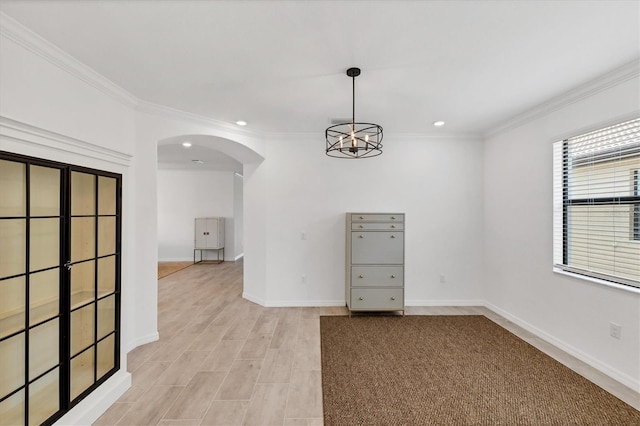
(186, 144)
(241, 123)
(438, 123)
(198, 161)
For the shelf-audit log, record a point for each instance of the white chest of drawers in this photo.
(375, 262)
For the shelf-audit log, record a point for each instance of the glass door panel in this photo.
(82, 283)
(12, 364)
(12, 409)
(44, 243)
(82, 328)
(44, 191)
(13, 192)
(107, 196)
(43, 348)
(106, 235)
(106, 352)
(83, 237)
(106, 316)
(44, 400)
(44, 295)
(12, 306)
(83, 194)
(106, 275)
(13, 243)
(82, 375)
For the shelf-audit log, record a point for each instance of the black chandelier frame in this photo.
(355, 139)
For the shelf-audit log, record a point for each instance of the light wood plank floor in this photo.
(222, 360)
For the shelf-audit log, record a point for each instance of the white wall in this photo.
(47, 112)
(238, 215)
(518, 278)
(184, 195)
(437, 182)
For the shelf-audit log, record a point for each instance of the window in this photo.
(635, 217)
(597, 204)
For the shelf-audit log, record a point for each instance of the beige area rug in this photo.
(168, 268)
(451, 370)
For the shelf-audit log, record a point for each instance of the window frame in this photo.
(562, 169)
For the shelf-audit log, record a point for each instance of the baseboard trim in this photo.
(304, 303)
(96, 403)
(614, 373)
(253, 299)
(437, 302)
(190, 259)
(152, 337)
(240, 256)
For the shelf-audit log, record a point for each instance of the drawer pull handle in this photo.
(393, 276)
(360, 276)
(360, 236)
(361, 226)
(393, 226)
(360, 298)
(393, 217)
(393, 236)
(393, 298)
(361, 217)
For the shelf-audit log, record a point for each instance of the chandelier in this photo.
(354, 140)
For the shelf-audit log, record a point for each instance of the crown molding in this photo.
(388, 135)
(23, 132)
(612, 78)
(165, 111)
(18, 33)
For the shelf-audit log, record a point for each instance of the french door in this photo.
(60, 229)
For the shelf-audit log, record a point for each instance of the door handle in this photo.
(68, 265)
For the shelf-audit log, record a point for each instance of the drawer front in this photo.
(377, 226)
(377, 248)
(374, 276)
(377, 217)
(377, 299)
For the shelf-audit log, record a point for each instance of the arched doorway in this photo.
(200, 176)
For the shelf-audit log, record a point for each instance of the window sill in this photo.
(623, 287)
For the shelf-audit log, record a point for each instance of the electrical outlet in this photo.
(303, 279)
(615, 330)
(442, 279)
(303, 236)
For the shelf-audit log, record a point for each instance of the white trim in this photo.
(617, 286)
(253, 299)
(303, 303)
(12, 130)
(437, 302)
(18, 33)
(96, 403)
(610, 371)
(152, 337)
(389, 137)
(13, 30)
(181, 259)
(238, 257)
(176, 114)
(613, 78)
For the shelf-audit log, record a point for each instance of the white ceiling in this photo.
(280, 65)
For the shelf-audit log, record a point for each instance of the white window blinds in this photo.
(597, 203)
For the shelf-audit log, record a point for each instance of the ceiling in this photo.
(280, 65)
